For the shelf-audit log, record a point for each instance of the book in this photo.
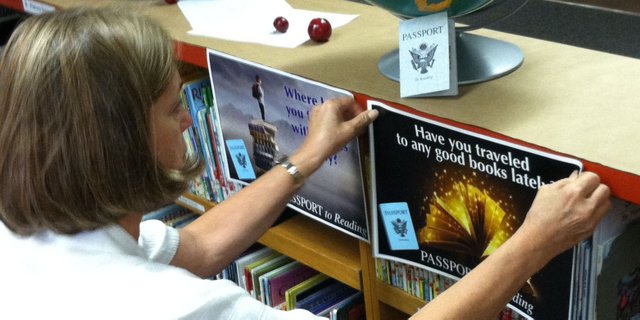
(215, 132)
(248, 269)
(230, 272)
(215, 139)
(172, 215)
(325, 297)
(350, 308)
(280, 280)
(194, 96)
(219, 192)
(197, 186)
(343, 306)
(208, 155)
(263, 268)
(265, 148)
(297, 292)
(398, 226)
(203, 138)
(247, 259)
(465, 194)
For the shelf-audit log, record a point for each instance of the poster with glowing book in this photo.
(444, 199)
(264, 116)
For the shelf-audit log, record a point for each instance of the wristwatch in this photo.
(298, 177)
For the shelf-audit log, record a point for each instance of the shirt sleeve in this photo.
(199, 298)
(159, 241)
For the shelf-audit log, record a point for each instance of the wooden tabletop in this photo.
(569, 100)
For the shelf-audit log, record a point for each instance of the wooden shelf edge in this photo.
(397, 298)
(190, 53)
(12, 4)
(371, 303)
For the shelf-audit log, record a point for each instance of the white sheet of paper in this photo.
(252, 20)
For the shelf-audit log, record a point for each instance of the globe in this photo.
(417, 8)
(478, 58)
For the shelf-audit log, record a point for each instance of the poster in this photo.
(264, 115)
(464, 195)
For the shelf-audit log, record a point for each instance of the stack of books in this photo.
(204, 138)
(286, 284)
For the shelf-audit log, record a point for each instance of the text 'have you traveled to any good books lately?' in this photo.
(476, 157)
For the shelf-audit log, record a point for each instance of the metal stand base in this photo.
(479, 59)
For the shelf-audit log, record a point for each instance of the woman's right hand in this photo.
(331, 126)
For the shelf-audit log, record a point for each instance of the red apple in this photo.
(281, 24)
(319, 29)
(171, 1)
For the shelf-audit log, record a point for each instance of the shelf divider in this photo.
(319, 247)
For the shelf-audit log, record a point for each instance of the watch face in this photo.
(618, 295)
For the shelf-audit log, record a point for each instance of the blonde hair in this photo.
(76, 89)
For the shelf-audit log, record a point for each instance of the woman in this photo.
(91, 138)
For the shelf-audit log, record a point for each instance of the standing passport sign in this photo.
(264, 115)
(445, 198)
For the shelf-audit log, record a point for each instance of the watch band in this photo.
(298, 177)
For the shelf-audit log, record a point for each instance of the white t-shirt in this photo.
(106, 274)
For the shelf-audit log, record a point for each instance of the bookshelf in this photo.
(565, 100)
(324, 249)
(316, 245)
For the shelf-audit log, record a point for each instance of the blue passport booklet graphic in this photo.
(399, 227)
(240, 159)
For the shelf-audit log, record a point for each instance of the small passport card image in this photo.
(398, 225)
(427, 56)
(241, 160)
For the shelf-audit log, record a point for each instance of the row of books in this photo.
(417, 282)
(421, 283)
(281, 282)
(204, 138)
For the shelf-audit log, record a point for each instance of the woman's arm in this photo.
(210, 243)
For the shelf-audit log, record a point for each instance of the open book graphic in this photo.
(468, 221)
